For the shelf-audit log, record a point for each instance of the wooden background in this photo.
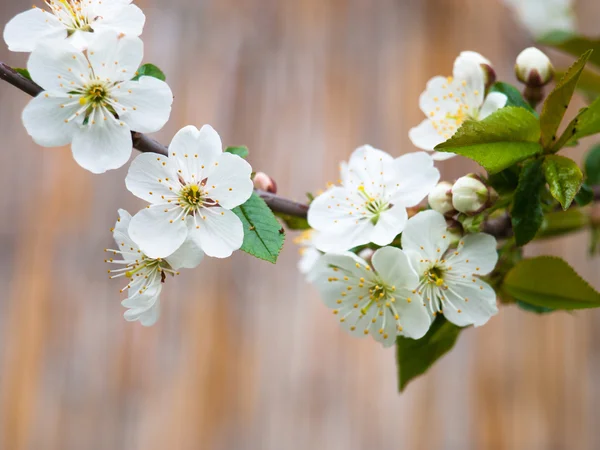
(245, 355)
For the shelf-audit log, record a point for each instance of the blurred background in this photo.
(245, 356)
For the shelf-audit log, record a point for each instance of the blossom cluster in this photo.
(86, 55)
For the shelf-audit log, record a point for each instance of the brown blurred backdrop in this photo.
(245, 355)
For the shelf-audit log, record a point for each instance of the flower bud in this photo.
(470, 195)
(533, 68)
(264, 182)
(489, 74)
(366, 254)
(455, 231)
(440, 198)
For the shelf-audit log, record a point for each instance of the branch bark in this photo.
(499, 227)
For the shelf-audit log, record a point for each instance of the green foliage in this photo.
(592, 166)
(586, 123)
(505, 182)
(564, 178)
(573, 44)
(533, 308)
(513, 95)
(585, 196)
(558, 100)
(23, 72)
(558, 223)
(414, 357)
(149, 70)
(527, 214)
(241, 151)
(506, 137)
(293, 222)
(589, 83)
(263, 234)
(550, 282)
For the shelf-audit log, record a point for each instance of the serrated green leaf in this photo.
(149, 70)
(573, 44)
(586, 123)
(293, 222)
(514, 97)
(592, 166)
(263, 234)
(241, 151)
(533, 308)
(589, 82)
(558, 223)
(23, 72)
(414, 357)
(527, 214)
(564, 178)
(558, 100)
(506, 181)
(502, 139)
(550, 282)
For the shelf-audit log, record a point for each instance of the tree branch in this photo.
(500, 227)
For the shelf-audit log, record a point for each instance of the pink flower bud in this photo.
(264, 182)
(534, 68)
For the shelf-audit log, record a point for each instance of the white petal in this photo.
(145, 105)
(476, 302)
(335, 209)
(188, 256)
(425, 136)
(147, 314)
(218, 232)
(414, 318)
(158, 233)
(229, 183)
(128, 19)
(196, 151)
(81, 40)
(124, 243)
(471, 56)
(115, 59)
(393, 266)
(102, 145)
(26, 30)
(435, 101)
(150, 176)
(493, 102)
(309, 258)
(58, 67)
(476, 255)
(442, 156)
(345, 238)
(368, 167)
(426, 234)
(469, 71)
(415, 177)
(390, 224)
(44, 119)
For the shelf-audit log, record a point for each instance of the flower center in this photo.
(191, 197)
(71, 14)
(374, 206)
(95, 93)
(435, 275)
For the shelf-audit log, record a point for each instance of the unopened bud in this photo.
(455, 231)
(366, 254)
(470, 195)
(533, 68)
(489, 74)
(264, 182)
(440, 198)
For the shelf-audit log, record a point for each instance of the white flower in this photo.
(470, 195)
(382, 302)
(309, 255)
(91, 101)
(77, 22)
(191, 194)
(533, 67)
(146, 275)
(449, 277)
(440, 198)
(448, 102)
(370, 206)
(541, 17)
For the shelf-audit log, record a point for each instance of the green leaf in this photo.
(550, 282)
(241, 151)
(513, 95)
(527, 214)
(589, 83)
(592, 166)
(414, 357)
(558, 101)
(505, 182)
(586, 123)
(585, 196)
(564, 177)
(23, 73)
(558, 223)
(263, 234)
(532, 308)
(573, 44)
(502, 139)
(149, 70)
(293, 222)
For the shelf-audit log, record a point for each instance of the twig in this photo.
(500, 227)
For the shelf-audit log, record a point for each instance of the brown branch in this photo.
(500, 227)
